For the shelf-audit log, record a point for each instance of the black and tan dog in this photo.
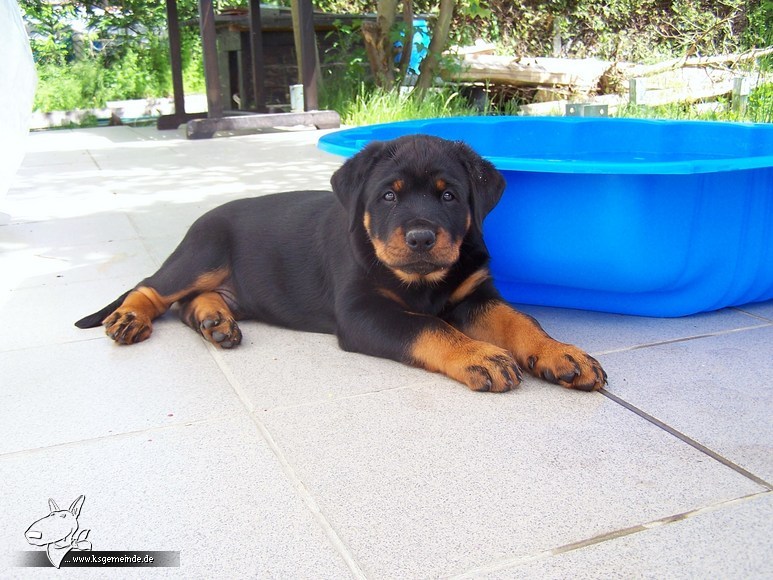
(393, 263)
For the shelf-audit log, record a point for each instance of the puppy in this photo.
(392, 262)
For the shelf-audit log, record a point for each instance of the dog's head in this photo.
(416, 198)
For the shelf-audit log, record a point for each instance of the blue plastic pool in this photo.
(656, 218)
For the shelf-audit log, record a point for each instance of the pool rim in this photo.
(347, 142)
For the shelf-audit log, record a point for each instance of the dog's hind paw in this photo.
(222, 332)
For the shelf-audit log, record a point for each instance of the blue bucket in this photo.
(655, 218)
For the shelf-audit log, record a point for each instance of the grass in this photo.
(371, 106)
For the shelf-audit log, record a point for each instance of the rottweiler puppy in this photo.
(392, 262)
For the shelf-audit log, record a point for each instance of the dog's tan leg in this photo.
(534, 349)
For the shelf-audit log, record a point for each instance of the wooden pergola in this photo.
(205, 125)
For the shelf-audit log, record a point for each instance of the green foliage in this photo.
(760, 108)
(639, 30)
(123, 54)
(62, 88)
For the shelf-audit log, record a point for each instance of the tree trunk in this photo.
(405, 56)
(377, 43)
(430, 64)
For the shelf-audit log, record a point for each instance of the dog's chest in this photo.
(425, 300)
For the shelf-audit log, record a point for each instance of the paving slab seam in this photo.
(295, 481)
(545, 554)
(347, 397)
(121, 435)
(752, 314)
(686, 439)
(683, 339)
(52, 343)
(93, 159)
(142, 239)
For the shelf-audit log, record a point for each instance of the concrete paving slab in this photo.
(732, 542)
(51, 264)
(433, 481)
(276, 367)
(599, 332)
(213, 490)
(70, 193)
(89, 230)
(51, 310)
(95, 388)
(716, 390)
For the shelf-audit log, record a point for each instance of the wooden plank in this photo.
(584, 74)
(552, 108)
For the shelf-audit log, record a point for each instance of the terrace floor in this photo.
(288, 458)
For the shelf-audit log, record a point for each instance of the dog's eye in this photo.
(390, 196)
(448, 196)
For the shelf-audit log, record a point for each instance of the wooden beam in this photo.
(308, 54)
(206, 128)
(211, 69)
(256, 57)
(173, 23)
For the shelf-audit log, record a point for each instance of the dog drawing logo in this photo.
(57, 531)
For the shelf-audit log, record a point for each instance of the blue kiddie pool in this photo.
(655, 218)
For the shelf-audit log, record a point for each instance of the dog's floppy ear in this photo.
(486, 182)
(350, 179)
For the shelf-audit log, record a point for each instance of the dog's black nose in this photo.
(420, 240)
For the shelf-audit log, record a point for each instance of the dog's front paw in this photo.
(568, 366)
(127, 326)
(489, 368)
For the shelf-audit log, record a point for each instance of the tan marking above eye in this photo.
(440, 184)
(398, 185)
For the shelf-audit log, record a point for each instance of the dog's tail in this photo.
(93, 320)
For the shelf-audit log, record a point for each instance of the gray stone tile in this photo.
(95, 388)
(716, 390)
(733, 541)
(276, 367)
(601, 331)
(431, 481)
(212, 491)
